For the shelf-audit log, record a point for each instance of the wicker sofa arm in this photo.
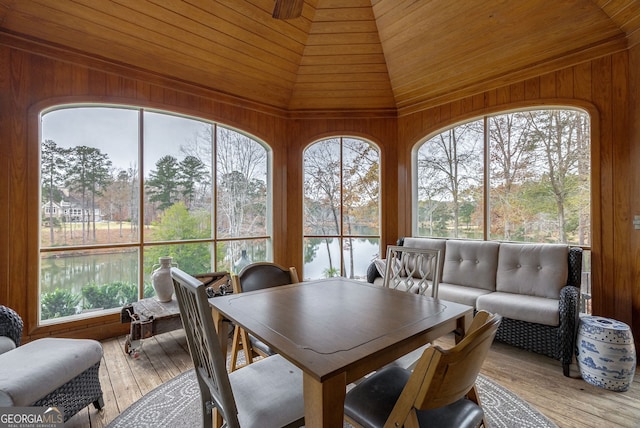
(11, 324)
(372, 270)
(570, 308)
(372, 273)
(575, 267)
(569, 312)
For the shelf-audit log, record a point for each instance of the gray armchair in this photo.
(61, 372)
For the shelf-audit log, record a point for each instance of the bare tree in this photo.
(556, 133)
(361, 187)
(511, 160)
(117, 201)
(451, 162)
(241, 175)
(322, 191)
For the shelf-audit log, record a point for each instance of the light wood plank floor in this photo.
(570, 402)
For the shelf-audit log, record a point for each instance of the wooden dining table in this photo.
(338, 330)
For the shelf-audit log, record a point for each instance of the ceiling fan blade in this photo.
(288, 9)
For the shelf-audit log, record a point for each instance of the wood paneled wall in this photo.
(33, 77)
(633, 259)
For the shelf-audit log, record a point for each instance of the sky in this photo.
(115, 132)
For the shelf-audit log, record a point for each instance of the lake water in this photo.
(72, 271)
(364, 251)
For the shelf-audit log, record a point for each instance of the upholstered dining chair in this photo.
(440, 392)
(256, 276)
(266, 393)
(412, 269)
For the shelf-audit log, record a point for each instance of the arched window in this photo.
(122, 187)
(519, 176)
(341, 207)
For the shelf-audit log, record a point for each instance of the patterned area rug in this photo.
(177, 404)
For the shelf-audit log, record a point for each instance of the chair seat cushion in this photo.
(261, 387)
(33, 370)
(370, 403)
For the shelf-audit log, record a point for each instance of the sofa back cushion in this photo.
(533, 269)
(428, 244)
(471, 263)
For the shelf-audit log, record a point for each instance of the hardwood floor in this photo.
(570, 402)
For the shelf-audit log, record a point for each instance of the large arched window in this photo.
(341, 207)
(121, 187)
(518, 176)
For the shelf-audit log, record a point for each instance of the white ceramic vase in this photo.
(606, 353)
(161, 280)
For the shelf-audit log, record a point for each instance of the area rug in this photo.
(176, 403)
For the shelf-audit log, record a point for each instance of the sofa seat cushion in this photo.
(521, 307)
(471, 263)
(460, 293)
(31, 371)
(533, 269)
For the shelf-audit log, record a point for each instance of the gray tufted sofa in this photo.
(535, 287)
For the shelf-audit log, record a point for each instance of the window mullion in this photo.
(486, 188)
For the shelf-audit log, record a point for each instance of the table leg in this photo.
(220, 324)
(463, 324)
(324, 401)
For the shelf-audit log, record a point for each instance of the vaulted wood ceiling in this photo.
(340, 54)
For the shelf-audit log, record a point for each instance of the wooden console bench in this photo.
(149, 317)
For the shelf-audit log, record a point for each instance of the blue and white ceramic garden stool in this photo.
(606, 353)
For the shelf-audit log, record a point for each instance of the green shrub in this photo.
(112, 295)
(104, 296)
(58, 303)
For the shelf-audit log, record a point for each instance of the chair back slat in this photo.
(204, 347)
(412, 269)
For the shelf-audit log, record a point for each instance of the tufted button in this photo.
(518, 265)
(477, 262)
(539, 267)
(461, 260)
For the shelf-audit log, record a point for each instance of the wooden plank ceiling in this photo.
(387, 55)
